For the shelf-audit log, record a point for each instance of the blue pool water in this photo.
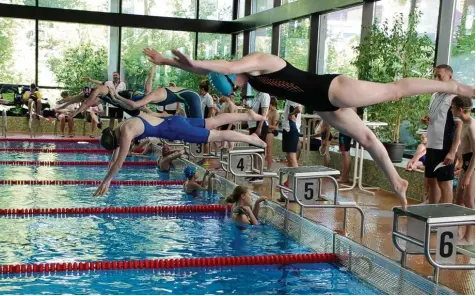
(51, 145)
(84, 173)
(70, 196)
(42, 156)
(125, 237)
(299, 279)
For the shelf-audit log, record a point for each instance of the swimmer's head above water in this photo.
(190, 172)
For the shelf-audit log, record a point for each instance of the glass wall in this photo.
(260, 40)
(135, 65)
(67, 52)
(241, 8)
(339, 33)
(17, 51)
(287, 1)
(261, 5)
(239, 46)
(213, 45)
(294, 42)
(221, 10)
(92, 5)
(170, 8)
(19, 2)
(387, 10)
(462, 45)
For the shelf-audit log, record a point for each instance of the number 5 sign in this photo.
(446, 245)
(306, 191)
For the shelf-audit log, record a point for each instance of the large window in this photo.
(212, 45)
(294, 42)
(68, 52)
(287, 1)
(241, 8)
(221, 10)
(170, 8)
(19, 2)
(260, 40)
(239, 46)
(261, 5)
(134, 63)
(462, 45)
(339, 33)
(17, 51)
(387, 10)
(92, 5)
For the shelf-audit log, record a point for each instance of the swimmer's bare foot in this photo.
(401, 190)
(255, 116)
(255, 140)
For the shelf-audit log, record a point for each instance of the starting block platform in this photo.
(306, 190)
(421, 220)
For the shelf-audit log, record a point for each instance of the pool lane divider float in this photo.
(94, 182)
(50, 140)
(180, 209)
(56, 150)
(169, 263)
(72, 163)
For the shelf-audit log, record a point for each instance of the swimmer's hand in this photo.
(182, 59)
(102, 189)
(261, 199)
(112, 92)
(155, 57)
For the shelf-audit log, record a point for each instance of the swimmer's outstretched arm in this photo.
(69, 101)
(117, 161)
(150, 78)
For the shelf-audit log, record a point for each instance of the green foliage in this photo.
(78, 62)
(294, 43)
(339, 61)
(6, 50)
(464, 38)
(391, 53)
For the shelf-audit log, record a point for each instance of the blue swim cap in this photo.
(189, 172)
(221, 83)
(138, 95)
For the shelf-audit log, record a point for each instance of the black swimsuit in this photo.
(307, 89)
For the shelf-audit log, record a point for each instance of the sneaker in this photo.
(256, 181)
(99, 125)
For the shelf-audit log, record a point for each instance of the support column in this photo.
(445, 31)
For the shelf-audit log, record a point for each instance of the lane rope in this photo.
(56, 150)
(49, 140)
(72, 163)
(168, 263)
(93, 182)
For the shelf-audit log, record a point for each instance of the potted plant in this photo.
(390, 53)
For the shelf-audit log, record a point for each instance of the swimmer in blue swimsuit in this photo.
(241, 211)
(191, 130)
(191, 185)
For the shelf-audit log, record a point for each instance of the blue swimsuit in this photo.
(190, 98)
(190, 130)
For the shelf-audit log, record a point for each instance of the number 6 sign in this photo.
(446, 244)
(306, 191)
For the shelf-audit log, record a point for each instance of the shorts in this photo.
(315, 144)
(116, 113)
(264, 131)
(190, 130)
(275, 133)
(433, 158)
(466, 160)
(344, 142)
(290, 139)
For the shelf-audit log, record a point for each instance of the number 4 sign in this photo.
(238, 163)
(446, 245)
(306, 191)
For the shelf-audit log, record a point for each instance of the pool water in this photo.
(46, 156)
(84, 173)
(302, 279)
(42, 239)
(51, 145)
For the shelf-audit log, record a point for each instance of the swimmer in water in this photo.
(164, 163)
(242, 211)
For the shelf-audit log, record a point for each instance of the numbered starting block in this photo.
(197, 151)
(422, 219)
(306, 190)
(238, 160)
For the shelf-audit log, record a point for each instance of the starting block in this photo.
(445, 218)
(197, 151)
(306, 190)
